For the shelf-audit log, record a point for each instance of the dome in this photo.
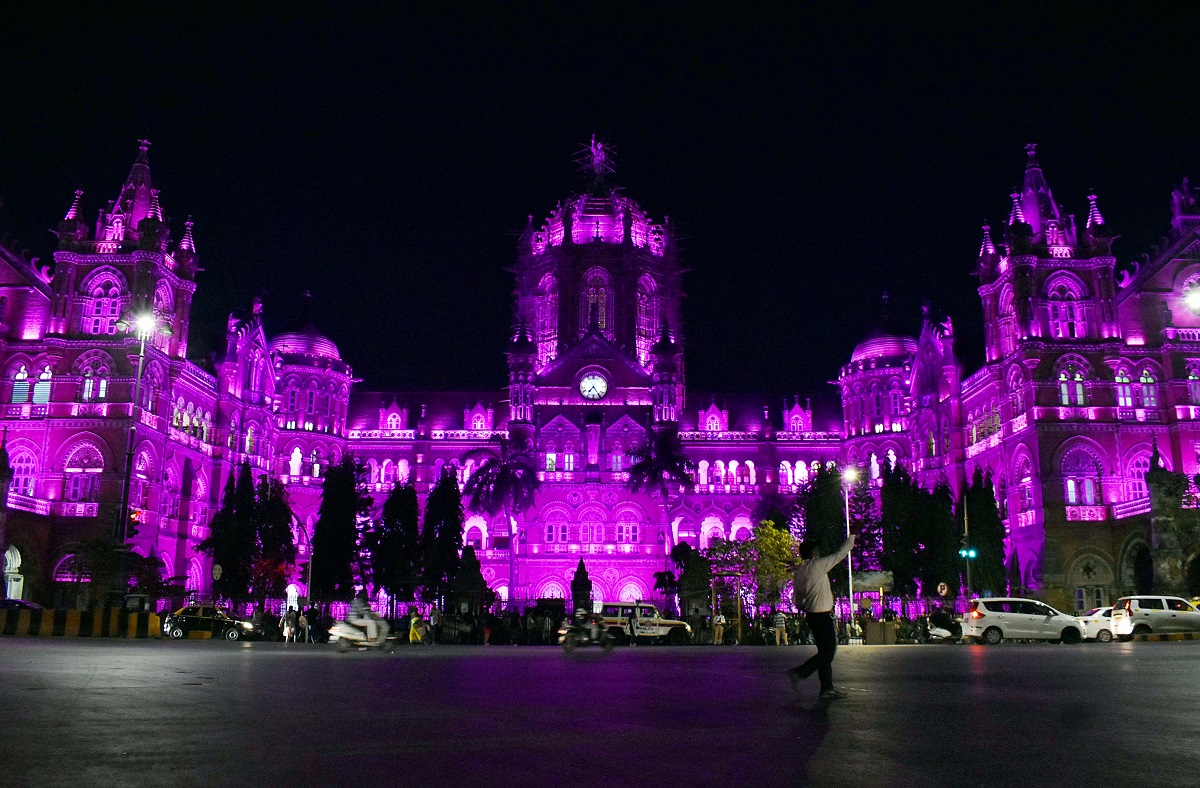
(306, 342)
(884, 346)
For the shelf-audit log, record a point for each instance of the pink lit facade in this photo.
(1084, 373)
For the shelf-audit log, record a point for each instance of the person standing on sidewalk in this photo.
(719, 629)
(781, 622)
(813, 595)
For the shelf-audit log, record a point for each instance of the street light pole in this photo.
(143, 325)
(849, 477)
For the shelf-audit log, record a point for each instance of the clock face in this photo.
(593, 386)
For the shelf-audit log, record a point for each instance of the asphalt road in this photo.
(87, 713)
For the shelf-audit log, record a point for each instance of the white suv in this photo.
(992, 620)
(1143, 615)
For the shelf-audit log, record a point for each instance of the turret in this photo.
(72, 231)
(522, 362)
(667, 392)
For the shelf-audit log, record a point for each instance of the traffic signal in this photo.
(967, 552)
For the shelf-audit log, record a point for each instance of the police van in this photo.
(651, 626)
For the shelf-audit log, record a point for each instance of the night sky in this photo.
(388, 162)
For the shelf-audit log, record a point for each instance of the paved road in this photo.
(85, 713)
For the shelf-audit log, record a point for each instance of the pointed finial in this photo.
(188, 242)
(1031, 152)
(155, 209)
(988, 248)
(1017, 215)
(143, 147)
(1094, 217)
(73, 213)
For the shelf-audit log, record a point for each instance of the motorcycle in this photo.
(346, 636)
(572, 636)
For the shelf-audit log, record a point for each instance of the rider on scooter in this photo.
(361, 615)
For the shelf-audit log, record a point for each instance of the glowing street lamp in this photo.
(143, 326)
(849, 476)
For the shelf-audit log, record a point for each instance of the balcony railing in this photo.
(1130, 508)
(26, 503)
(1087, 513)
(76, 508)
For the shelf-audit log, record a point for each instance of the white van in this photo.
(1143, 615)
(992, 620)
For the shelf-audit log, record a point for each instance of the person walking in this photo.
(304, 635)
(781, 634)
(719, 629)
(813, 595)
(633, 625)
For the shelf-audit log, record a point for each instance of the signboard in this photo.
(943, 589)
(216, 572)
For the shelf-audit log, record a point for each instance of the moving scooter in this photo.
(346, 636)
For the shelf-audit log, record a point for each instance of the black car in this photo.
(199, 621)
(18, 604)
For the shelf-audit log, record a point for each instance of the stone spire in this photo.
(1037, 202)
(74, 212)
(1094, 217)
(136, 197)
(155, 209)
(188, 243)
(1017, 216)
(988, 248)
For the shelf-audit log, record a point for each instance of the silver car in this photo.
(1097, 624)
(1153, 614)
(992, 620)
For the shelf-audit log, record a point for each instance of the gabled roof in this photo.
(594, 348)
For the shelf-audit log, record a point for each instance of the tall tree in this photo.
(822, 510)
(441, 538)
(864, 521)
(987, 535)
(695, 576)
(772, 554)
(899, 524)
(232, 540)
(344, 505)
(275, 545)
(505, 480)
(394, 544)
(939, 541)
(467, 585)
(581, 588)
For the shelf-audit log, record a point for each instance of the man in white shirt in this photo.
(810, 586)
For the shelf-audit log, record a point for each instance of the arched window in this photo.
(785, 472)
(800, 475)
(1016, 392)
(393, 421)
(718, 472)
(1124, 389)
(896, 402)
(713, 423)
(20, 385)
(95, 386)
(1193, 386)
(702, 471)
(551, 458)
(1007, 322)
(597, 301)
(556, 528)
(796, 424)
(1138, 467)
(41, 389)
(591, 526)
(647, 318)
(1066, 313)
(546, 318)
(402, 471)
(295, 461)
(874, 466)
(1148, 389)
(82, 470)
(24, 468)
(250, 441)
(1081, 476)
(891, 459)
(627, 528)
(103, 307)
(617, 458)
(568, 457)
(1070, 386)
(478, 422)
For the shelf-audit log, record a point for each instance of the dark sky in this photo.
(388, 161)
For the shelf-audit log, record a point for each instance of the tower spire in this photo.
(988, 248)
(188, 242)
(1017, 216)
(1094, 217)
(155, 209)
(73, 213)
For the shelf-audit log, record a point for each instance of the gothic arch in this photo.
(87, 450)
(1078, 443)
(1067, 280)
(103, 278)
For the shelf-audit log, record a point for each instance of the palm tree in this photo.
(505, 480)
(661, 468)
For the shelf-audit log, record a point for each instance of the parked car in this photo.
(200, 621)
(651, 625)
(1097, 624)
(1146, 614)
(18, 604)
(992, 620)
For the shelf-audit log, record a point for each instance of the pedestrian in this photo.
(414, 626)
(633, 625)
(718, 629)
(781, 633)
(435, 623)
(813, 595)
(302, 622)
(487, 627)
